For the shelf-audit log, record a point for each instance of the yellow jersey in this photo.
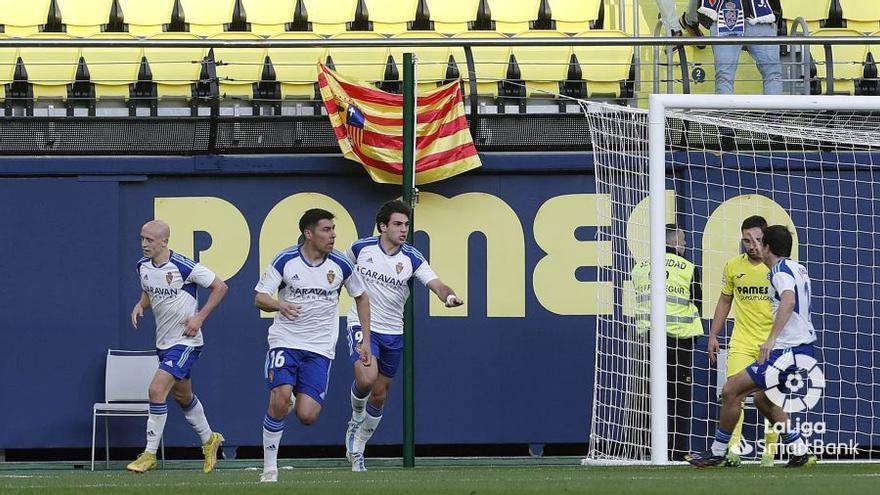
(749, 285)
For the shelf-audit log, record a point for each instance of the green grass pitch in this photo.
(496, 476)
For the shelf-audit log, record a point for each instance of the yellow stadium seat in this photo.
(8, 59)
(50, 69)
(330, 17)
(207, 17)
(84, 17)
(861, 15)
(391, 16)
(513, 17)
(574, 16)
(361, 63)
(268, 17)
(20, 18)
(146, 18)
(813, 11)
(604, 67)
(490, 62)
(174, 69)
(432, 62)
(848, 60)
(112, 70)
(452, 16)
(542, 67)
(238, 68)
(296, 69)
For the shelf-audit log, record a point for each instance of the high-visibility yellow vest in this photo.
(682, 317)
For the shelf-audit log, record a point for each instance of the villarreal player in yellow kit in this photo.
(745, 283)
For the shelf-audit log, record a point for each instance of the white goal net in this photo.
(815, 170)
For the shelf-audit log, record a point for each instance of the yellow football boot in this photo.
(144, 462)
(209, 449)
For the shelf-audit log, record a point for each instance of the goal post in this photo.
(737, 143)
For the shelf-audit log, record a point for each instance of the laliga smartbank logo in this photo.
(803, 385)
(795, 383)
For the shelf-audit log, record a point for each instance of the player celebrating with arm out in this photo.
(168, 284)
(790, 341)
(386, 264)
(302, 337)
(745, 284)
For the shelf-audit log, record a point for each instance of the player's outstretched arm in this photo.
(139, 307)
(721, 312)
(362, 304)
(194, 323)
(445, 293)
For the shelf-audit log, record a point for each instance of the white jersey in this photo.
(788, 275)
(171, 288)
(385, 277)
(314, 288)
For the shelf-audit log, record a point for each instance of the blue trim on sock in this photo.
(790, 437)
(192, 404)
(374, 411)
(722, 436)
(357, 393)
(158, 408)
(273, 425)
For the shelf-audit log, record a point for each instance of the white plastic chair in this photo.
(126, 391)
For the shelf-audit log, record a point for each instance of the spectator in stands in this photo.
(689, 20)
(744, 18)
(684, 301)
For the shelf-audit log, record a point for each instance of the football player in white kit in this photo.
(302, 337)
(787, 350)
(386, 264)
(168, 284)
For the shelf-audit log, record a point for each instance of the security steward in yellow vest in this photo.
(684, 298)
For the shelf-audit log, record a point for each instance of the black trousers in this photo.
(679, 361)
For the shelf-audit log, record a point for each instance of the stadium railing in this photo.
(211, 112)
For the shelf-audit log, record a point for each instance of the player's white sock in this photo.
(794, 438)
(195, 416)
(371, 422)
(272, 431)
(722, 438)
(358, 402)
(156, 425)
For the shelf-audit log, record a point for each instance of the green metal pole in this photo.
(409, 174)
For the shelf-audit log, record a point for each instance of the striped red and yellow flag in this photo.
(368, 124)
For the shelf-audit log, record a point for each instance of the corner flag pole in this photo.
(409, 197)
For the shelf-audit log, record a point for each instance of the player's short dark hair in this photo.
(754, 221)
(390, 208)
(310, 218)
(778, 237)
